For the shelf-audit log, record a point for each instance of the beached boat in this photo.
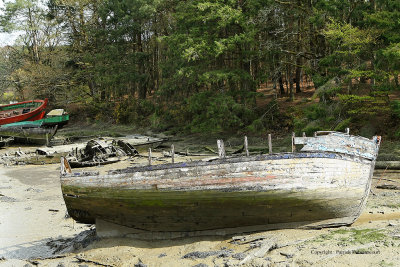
(22, 111)
(324, 184)
(29, 135)
(55, 117)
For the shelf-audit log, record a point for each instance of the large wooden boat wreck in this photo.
(22, 111)
(326, 183)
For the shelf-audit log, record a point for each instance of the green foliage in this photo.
(341, 127)
(319, 80)
(350, 45)
(363, 107)
(395, 105)
(196, 64)
(209, 112)
(351, 40)
(209, 49)
(272, 119)
(395, 110)
(7, 97)
(318, 117)
(135, 111)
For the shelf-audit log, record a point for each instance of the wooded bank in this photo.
(199, 65)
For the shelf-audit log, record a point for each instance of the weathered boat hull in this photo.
(59, 121)
(312, 188)
(36, 135)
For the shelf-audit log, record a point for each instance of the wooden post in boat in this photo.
(246, 146)
(173, 153)
(293, 144)
(347, 130)
(221, 149)
(269, 143)
(149, 155)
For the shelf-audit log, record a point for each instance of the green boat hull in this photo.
(46, 122)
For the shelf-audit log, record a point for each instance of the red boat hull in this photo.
(23, 111)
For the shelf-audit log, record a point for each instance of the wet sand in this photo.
(33, 213)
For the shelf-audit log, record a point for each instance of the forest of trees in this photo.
(197, 65)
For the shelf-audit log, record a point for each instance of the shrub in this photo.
(216, 112)
(133, 110)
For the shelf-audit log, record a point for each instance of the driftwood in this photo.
(210, 149)
(386, 180)
(266, 246)
(388, 186)
(240, 150)
(84, 164)
(36, 261)
(80, 259)
(192, 154)
(126, 147)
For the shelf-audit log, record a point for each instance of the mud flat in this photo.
(34, 230)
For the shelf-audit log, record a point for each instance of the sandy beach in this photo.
(35, 231)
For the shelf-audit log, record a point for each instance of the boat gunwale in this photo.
(29, 116)
(24, 102)
(227, 160)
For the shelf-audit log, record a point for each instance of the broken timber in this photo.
(326, 183)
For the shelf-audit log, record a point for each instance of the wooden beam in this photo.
(270, 143)
(221, 149)
(293, 143)
(173, 153)
(149, 156)
(246, 146)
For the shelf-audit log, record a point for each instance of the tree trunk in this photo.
(298, 48)
(290, 80)
(281, 87)
(33, 32)
(350, 87)
(142, 83)
(298, 76)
